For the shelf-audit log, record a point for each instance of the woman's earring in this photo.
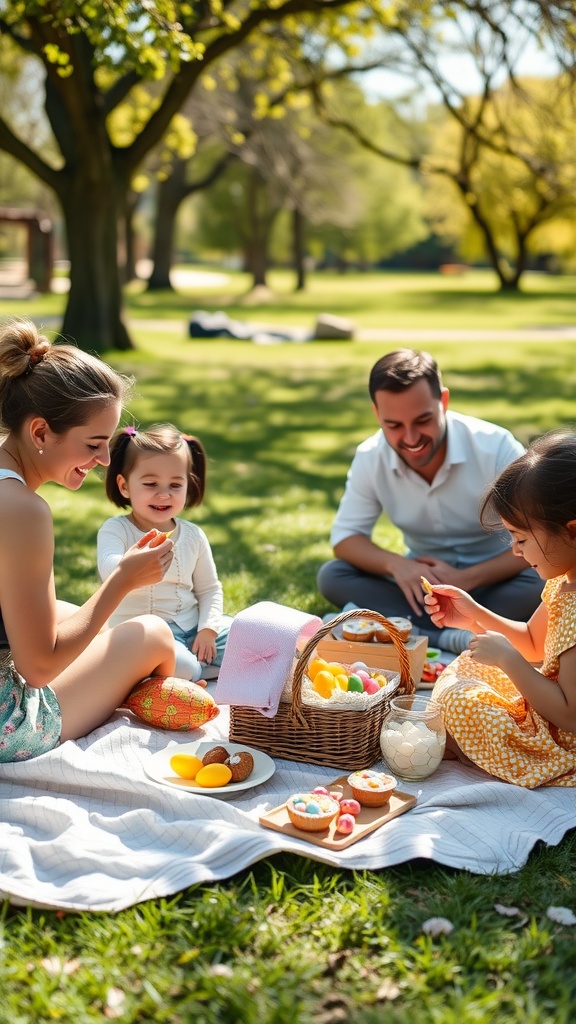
(40, 451)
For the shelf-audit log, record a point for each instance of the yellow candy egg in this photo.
(335, 668)
(342, 681)
(324, 683)
(186, 766)
(316, 666)
(212, 775)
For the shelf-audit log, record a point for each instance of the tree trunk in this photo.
(170, 194)
(93, 317)
(127, 264)
(299, 251)
(509, 279)
(257, 261)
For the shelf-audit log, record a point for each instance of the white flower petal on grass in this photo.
(506, 911)
(437, 926)
(52, 964)
(114, 999)
(221, 971)
(562, 915)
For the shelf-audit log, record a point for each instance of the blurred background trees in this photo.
(255, 133)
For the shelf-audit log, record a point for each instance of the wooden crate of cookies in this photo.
(365, 639)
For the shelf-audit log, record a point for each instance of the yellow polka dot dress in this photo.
(494, 725)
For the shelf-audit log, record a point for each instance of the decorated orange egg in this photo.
(170, 703)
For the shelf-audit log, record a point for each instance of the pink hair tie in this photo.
(130, 431)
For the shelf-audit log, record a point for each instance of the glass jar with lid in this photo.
(413, 737)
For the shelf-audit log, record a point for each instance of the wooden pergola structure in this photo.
(40, 243)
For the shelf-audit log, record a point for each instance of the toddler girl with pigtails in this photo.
(157, 473)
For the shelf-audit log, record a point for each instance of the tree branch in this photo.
(118, 92)
(11, 144)
(212, 175)
(185, 79)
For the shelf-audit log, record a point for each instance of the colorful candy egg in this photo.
(348, 805)
(345, 824)
(371, 686)
(355, 684)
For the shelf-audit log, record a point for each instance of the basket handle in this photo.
(406, 680)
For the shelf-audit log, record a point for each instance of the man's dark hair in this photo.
(399, 370)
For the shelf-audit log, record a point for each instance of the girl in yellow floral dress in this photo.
(511, 718)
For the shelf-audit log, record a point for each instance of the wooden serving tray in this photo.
(369, 819)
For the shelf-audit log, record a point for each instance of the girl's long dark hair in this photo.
(538, 489)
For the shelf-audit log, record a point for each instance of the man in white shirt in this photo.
(427, 470)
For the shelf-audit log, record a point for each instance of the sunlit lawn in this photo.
(376, 300)
(291, 941)
(425, 300)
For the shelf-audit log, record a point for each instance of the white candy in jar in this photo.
(411, 748)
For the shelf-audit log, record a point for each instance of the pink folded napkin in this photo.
(260, 650)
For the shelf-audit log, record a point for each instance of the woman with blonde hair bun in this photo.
(61, 672)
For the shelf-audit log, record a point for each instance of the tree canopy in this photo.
(92, 56)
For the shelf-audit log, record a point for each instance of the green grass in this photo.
(291, 941)
(379, 300)
(422, 301)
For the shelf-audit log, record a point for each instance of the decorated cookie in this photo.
(240, 764)
(216, 755)
(360, 630)
(403, 625)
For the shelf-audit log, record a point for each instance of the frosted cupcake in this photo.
(311, 812)
(372, 789)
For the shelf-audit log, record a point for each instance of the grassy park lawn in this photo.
(291, 940)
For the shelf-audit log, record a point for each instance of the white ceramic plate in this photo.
(158, 767)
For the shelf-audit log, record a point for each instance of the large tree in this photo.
(517, 197)
(507, 155)
(93, 55)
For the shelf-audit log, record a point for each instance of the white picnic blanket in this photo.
(84, 828)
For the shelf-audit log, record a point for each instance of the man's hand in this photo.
(406, 573)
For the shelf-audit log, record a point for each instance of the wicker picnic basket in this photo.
(335, 738)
